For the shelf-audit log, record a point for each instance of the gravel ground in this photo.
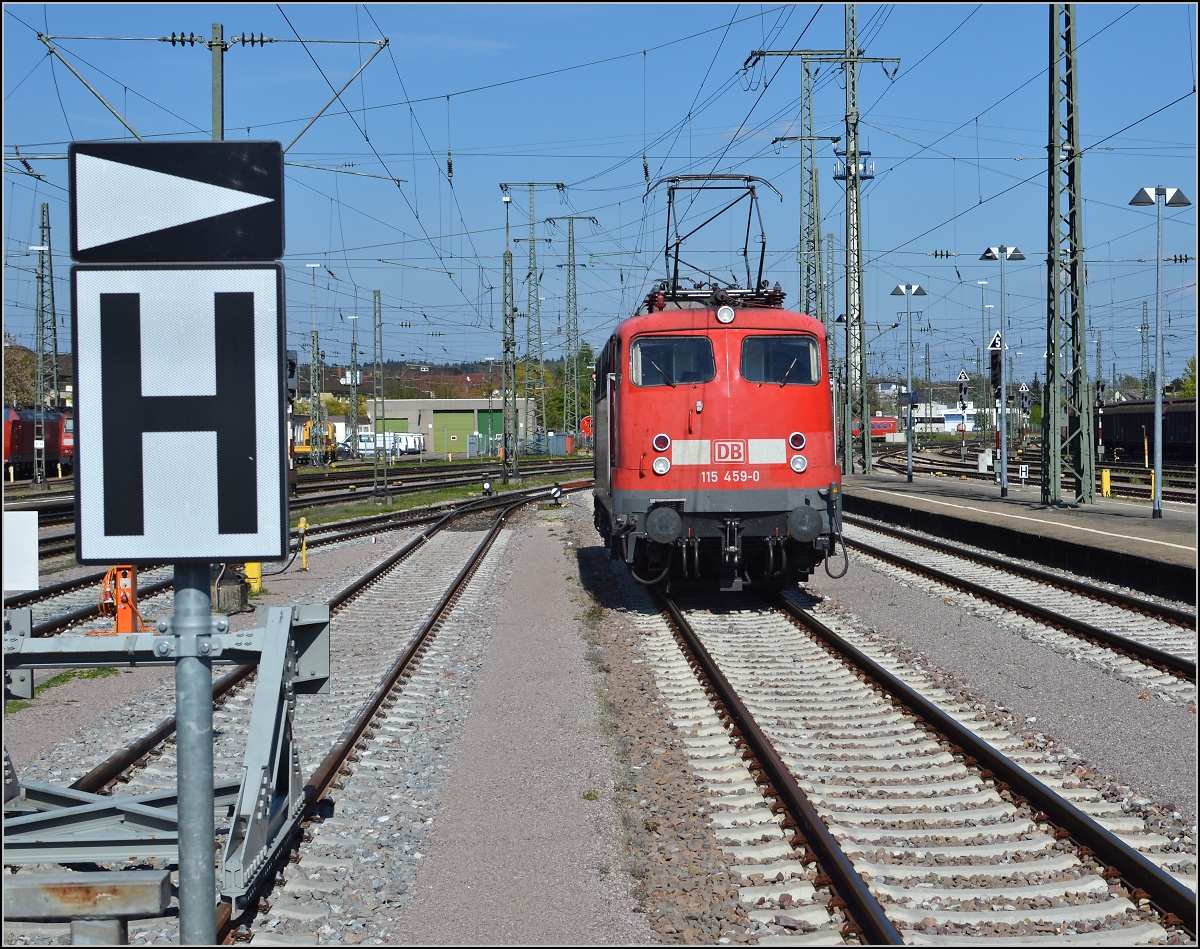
(525, 846)
(563, 811)
(1148, 746)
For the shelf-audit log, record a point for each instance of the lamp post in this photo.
(983, 336)
(354, 387)
(1172, 198)
(908, 291)
(1002, 254)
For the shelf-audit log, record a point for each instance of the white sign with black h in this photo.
(180, 429)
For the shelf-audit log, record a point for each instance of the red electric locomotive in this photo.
(20, 426)
(714, 439)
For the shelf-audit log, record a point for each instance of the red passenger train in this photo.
(881, 426)
(714, 440)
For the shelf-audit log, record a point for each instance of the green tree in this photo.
(1186, 388)
(19, 371)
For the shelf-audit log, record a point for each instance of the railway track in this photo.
(411, 594)
(1150, 643)
(1145, 642)
(61, 606)
(1180, 488)
(861, 802)
(325, 494)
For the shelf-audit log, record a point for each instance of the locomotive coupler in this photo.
(731, 556)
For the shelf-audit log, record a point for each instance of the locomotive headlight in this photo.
(662, 442)
(725, 314)
(796, 440)
(799, 463)
(661, 466)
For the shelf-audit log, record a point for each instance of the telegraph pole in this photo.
(571, 413)
(1068, 387)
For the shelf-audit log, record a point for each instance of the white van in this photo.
(371, 442)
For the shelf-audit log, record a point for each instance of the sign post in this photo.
(996, 347)
(963, 380)
(180, 394)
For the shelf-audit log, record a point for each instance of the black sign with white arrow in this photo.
(150, 202)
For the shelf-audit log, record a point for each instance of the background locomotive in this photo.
(714, 440)
(19, 427)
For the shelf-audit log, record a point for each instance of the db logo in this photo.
(729, 451)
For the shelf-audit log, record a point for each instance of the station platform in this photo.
(1114, 540)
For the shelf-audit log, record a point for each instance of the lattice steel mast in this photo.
(508, 450)
(1067, 384)
(852, 172)
(571, 412)
(47, 336)
(379, 476)
(535, 366)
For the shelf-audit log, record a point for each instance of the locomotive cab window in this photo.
(783, 360)
(671, 360)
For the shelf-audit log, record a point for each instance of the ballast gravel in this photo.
(1146, 748)
(549, 802)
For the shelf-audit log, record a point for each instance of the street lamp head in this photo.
(1009, 253)
(1148, 196)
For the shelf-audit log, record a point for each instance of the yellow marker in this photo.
(254, 576)
(303, 525)
(1105, 483)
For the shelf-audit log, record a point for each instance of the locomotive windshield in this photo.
(671, 360)
(784, 360)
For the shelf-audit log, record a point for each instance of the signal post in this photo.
(175, 247)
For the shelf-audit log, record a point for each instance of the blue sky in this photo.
(576, 94)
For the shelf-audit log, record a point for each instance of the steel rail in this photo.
(317, 786)
(318, 535)
(1174, 900)
(112, 768)
(116, 764)
(1176, 665)
(1167, 614)
(864, 910)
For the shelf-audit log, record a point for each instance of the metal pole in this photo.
(218, 82)
(908, 321)
(354, 390)
(191, 627)
(1003, 382)
(1156, 503)
(847, 411)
